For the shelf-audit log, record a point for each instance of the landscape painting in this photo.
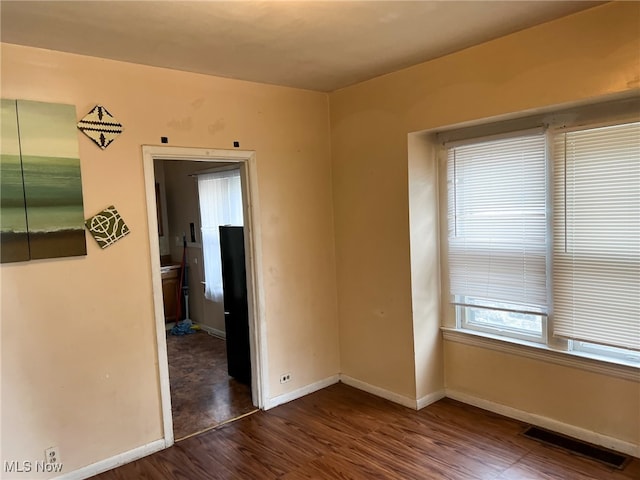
(50, 165)
(14, 239)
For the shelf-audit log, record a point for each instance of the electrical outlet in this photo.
(285, 377)
(52, 455)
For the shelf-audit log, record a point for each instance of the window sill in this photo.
(584, 361)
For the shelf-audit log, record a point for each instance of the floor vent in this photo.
(602, 455)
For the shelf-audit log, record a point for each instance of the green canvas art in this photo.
(14, 238)
(41, 210)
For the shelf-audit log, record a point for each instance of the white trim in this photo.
(195, 154)
(213, 331)
(538, 351)
(379, 392)
(158, 303)
(536, 130)
(548, 423)
(113, 462)
(255, 288)
(247, 162)
(301, 392)
(430, 398)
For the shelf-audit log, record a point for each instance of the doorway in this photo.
(209, 338)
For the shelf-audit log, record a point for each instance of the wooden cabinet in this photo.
(170, 285)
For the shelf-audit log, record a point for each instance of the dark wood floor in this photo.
(343, 433)
(202, 393)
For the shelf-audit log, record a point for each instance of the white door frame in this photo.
(257, 331)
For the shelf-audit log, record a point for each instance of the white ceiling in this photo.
(317, 45)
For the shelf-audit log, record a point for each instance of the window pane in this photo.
(503, 322)
(606, 351)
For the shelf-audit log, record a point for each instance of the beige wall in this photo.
(78, 340)
(598, 403)
(383, 328)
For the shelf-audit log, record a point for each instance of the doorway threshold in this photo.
(218, 425)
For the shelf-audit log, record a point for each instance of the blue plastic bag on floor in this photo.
(182, 328)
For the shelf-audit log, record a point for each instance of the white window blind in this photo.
(497, 223)
(596, 242)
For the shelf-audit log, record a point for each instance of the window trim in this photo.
(609, 366)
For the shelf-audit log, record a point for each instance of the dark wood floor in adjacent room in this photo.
(343, 433)
(202, 393)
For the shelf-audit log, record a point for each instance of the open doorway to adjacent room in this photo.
(205, 276)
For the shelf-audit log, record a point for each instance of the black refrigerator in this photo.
(236, 311)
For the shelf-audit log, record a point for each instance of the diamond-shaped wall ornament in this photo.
(100, 126)
(107, 227)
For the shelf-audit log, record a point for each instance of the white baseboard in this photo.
(548, 423)
(301, 392)
(430, 398)
(379, 392)
(113, 462)
(213, 331)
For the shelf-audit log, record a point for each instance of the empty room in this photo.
(436, 239)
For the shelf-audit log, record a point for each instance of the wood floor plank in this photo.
(419, 453)
(498, 454)
(486, 428)
(286, 438)
(343, 433)
(345, 466)
(219, 450)
(331, 430)
(174, 463)
(532, 467)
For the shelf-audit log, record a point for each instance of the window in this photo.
(497, 234)
(596, 235)
(544, 237)
(220, 196)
